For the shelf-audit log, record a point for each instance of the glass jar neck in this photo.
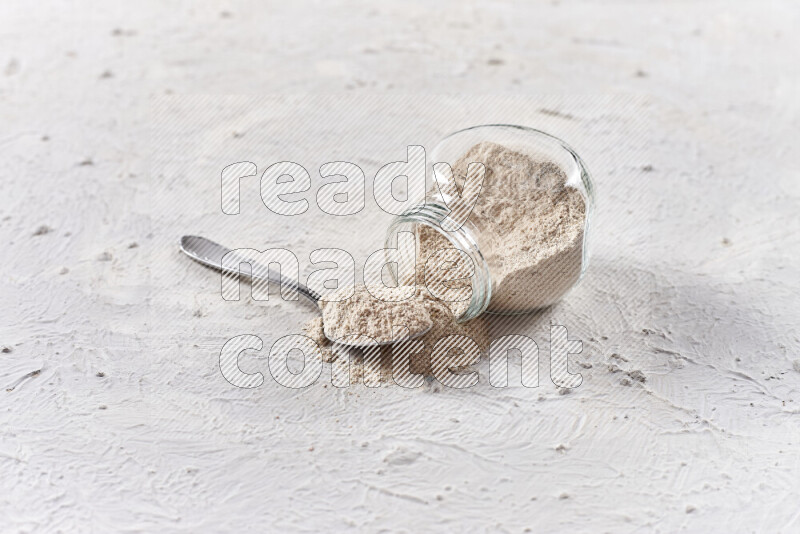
(435, 215)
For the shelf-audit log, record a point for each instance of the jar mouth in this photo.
(433, 214)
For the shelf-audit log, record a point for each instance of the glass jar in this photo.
(527, 236)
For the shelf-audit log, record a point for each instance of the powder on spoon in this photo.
(372, 312)
(443, 324)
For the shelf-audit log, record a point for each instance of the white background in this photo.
(689, 123)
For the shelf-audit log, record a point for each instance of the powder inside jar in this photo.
(531, 225)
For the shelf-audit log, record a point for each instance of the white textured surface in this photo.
(694, 279)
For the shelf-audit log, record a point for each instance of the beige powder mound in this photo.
(372, 312)
(535, 225)
(443, 324)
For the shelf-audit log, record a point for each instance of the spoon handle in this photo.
(210, 254)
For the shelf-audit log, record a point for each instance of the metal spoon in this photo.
(210, 254)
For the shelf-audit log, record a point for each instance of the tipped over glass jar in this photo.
(523, 243)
